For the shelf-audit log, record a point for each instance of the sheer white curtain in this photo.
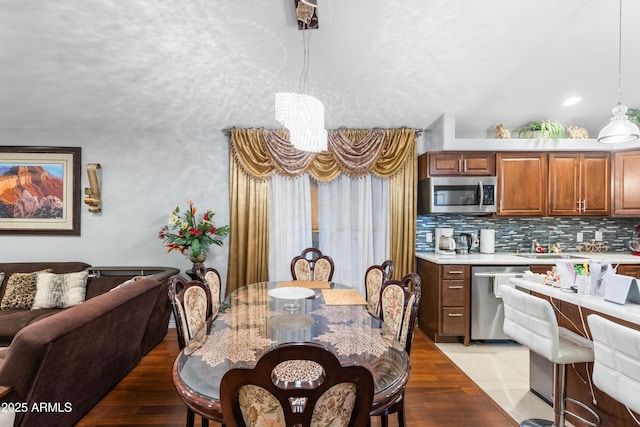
(289, 223)
(353, 218)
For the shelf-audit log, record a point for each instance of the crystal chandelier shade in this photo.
(303, 114)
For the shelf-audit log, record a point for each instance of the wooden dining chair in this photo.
(191, 304)
(399, 302)
(312, 264)
(388, 266)
(374, 277)
(210, 277)
(275, 393)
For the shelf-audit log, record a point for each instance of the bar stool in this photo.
(532, 322)
(616, 368)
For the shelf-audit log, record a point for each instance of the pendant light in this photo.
(619, 129)
(301, 113)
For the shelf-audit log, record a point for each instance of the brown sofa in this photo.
(62, 362)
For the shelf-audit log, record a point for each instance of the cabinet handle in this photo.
(459, 165)
(579, 203)
(584, 205)
(456, 272)
(456, 287)
(454, 314)
(500, 205)
(465, 165)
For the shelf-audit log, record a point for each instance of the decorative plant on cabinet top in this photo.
(542, 129)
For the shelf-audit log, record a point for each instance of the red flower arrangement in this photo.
(185, 232)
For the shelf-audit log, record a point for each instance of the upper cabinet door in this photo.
(626, 183)
(522, 184)
(579, 184)
(465, 164)
(595, 183)
(564, 184)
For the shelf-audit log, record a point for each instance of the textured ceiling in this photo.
(213, 64)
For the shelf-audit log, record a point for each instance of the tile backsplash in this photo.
(515, 234)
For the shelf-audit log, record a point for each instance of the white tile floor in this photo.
(502, 370)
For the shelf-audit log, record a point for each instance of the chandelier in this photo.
(300, 113)
(619, 129)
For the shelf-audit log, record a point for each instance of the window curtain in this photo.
(257, 154)
(249, 212)
(354, 225)
(290, 223)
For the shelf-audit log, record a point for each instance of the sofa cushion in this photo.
(12, 320)
(60, 290)
(20, 291)
(29, 267)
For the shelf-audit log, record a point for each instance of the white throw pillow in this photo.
(60, 290)
(127, 282)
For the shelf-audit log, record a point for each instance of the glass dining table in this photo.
(258, 317)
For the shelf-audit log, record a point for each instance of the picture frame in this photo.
(40, 190)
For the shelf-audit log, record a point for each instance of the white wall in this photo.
(144, 175)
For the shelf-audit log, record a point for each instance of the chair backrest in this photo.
(413, 283)
(530, 321)
(311, 264)
(330, 395)
(399, 302)
(388, 266)
(191, 303)
(210, 277)
(616, 366)
(374, 277)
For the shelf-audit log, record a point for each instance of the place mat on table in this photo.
(343, 297)
(311, 284)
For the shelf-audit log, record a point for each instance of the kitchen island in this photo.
(445, 313)
(572, 311)
(508, 258)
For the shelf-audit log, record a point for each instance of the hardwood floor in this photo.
(438, 394)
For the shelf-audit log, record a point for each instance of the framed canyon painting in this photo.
(40, 190)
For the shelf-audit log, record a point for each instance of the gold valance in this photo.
(263, 152)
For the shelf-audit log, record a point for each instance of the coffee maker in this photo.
(445, 243)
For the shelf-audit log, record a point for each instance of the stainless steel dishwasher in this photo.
(487, 312)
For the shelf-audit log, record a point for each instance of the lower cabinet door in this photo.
(453, 321)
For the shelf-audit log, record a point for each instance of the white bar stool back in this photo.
(616, 369)
(531, 321)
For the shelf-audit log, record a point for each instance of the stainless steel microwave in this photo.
(458, 195)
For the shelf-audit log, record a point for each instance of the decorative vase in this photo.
(199, 259)
(197, 262)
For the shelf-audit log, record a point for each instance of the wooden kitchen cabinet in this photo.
(444, 312)
(522, 184)
(579, 184)
(462, 164)
(541, 268)
(629, 270)
(626, 188)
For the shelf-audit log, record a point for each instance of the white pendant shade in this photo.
(619, 129)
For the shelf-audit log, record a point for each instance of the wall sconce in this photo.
(92, 193)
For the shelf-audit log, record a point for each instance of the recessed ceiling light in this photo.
(571, 101)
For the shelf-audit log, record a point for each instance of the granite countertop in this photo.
(505, 258)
